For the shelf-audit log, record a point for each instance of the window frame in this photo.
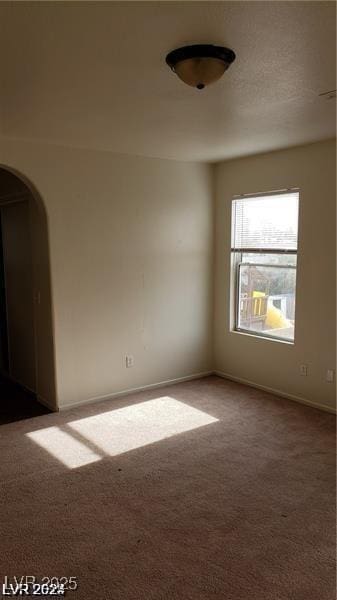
(237, 261)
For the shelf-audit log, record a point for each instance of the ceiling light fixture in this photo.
(201, 64)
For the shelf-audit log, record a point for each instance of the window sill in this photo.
(262, 337)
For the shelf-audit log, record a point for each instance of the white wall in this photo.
(132, 269)
(269, 363)
(131, 244)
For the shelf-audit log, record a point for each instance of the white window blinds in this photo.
(267, 222)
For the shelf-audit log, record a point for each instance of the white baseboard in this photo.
(143, 388)
(276, 392)
(161, 384)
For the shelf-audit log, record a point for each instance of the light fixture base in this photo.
(201, 64)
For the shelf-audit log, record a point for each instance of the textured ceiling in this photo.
(94, 75)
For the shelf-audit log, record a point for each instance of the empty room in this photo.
(168, 300)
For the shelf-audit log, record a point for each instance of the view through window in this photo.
(264, 259)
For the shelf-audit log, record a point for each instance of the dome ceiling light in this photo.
(201, 64)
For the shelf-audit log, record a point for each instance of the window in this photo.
(264, 260)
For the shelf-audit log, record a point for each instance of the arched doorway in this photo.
(26, 325)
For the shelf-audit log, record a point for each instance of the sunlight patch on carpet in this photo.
(121, 430)
(64, 447)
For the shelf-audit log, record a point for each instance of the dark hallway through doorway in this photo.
(26, 337)
(16, 403)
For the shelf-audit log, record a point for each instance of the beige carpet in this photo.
(202, 490)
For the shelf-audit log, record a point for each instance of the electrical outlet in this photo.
(304, 370)
(129, 361)
(330, 375)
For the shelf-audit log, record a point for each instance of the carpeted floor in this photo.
(199, 491)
